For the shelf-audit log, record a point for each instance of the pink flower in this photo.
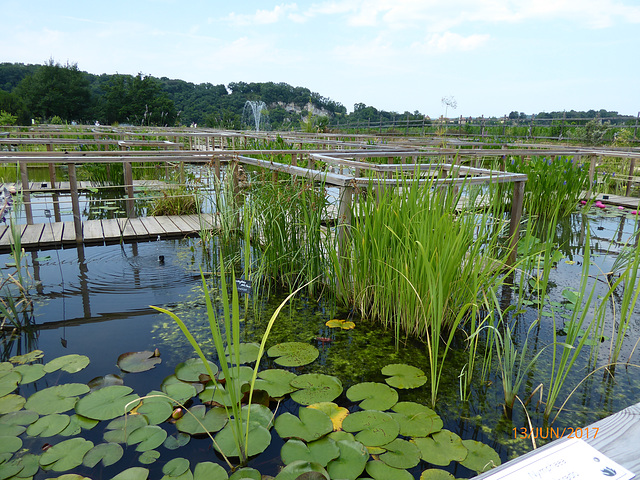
(583, 202)
(634, 212)
(620, 208)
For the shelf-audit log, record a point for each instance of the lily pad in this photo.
(404, 376)
(381, 471)
(105, 381)
(27, 357)
(441, 448)
(10, 444)
(148, 457)
(246, 473)
(56, 399)
(293, 354)
(107, 453)
(217, 394)
(416, 420)
(68, 363)
(315, 388)
(107, 403)
(176, 467)
(193, 369)
(375, 428)
(11, 403)
(373, 396)
(9, 380)
(310, 425)
(22, 417)
(321, 451)
(176, 441)
(481, 457)
(147, 438)
(30, 464)
(436, 474)
(343, 324)
(210, 471)
(133, 473)
(276, 382)
(9, 430)
(247, 353)
(336, 413)
(48, 426)
(9, 469)
(132, 362)
(156, 408)
(351, 462)
(295, 470)
(30, 373)
(177, 390)
(65, 455)
(197, 420)
(401, 454)
(259, 440)
(118, 430)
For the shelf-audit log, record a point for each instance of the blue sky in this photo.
(492, 56)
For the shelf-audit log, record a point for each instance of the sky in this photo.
(491, 56)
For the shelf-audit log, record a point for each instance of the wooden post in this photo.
(216, 166)
(128, 187)
(75, 202)
(514, 224)
(294, 159)
(592, 175)
(632, 167)
(344, 218)
(26, 194)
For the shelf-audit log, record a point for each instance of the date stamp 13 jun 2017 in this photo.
(552, 433)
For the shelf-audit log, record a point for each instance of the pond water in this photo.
(95, 301)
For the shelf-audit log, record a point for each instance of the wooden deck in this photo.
(100, 232)
(616, 436)
(60, 187)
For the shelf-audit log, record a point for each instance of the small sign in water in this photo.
(243, 286)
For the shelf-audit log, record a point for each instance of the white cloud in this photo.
(265, 17)
(449, 41)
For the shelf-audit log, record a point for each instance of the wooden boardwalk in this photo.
(59, 187)
(99, 232)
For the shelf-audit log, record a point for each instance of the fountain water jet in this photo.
(256, 110)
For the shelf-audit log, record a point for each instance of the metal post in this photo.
(26, 194)
(344, 218)
(514, 224)
(128, 187)
(632, 167)
(75, 202)
(592, 175)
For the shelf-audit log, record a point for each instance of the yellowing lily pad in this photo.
(27, 357)
(343, 324)
(336, 413)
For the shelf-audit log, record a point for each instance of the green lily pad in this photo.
(295, 470)
(10, 444)
(321, 451)
(9, 430)
(259, 440)
(9, 380)
(197, 420)
(30, 464)
(436, 474)
(315, 388)
(48, 426)
(133, 362)
(133, 473)
(76, 424)
(65, 455)
(192, 369)
(119, 429)
(107, 403)
(176, 441)
(176, 467)
(276, 382)
(351, 462)
(148, 437)
(10, 469)
(68, 363)
(401, 454)
(148, 457)
(156, 408)
(27, 357)
(404, 376)
(293, 354)
(381, 471)
(441, 448)
(11, 403)
(311, 424)
(107, 453)
(217, 394)
(259, 414)
(22, 417)
(241, 374)
(177, 390)
(416, 420)
(30, 373)
(336, 413)
(247, 353)
(105, 381)
(211, 471)
(246, 473)
(56, 399)
(481, 457)
(373, 396)
(375, 428)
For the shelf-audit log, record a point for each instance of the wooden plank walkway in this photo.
(616, 436)
(99, 232)
(62, 187)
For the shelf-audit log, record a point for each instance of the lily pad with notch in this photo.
(401, 454)
(48, 426)
(105, 381)
(11, 403)
(416, 420)
(68, 363)
(373, 396)
(379, 470)
(247, 353)
(375, 428)
(481, 457)
(297, 470)
(56, 399)
(107, 403)
(351, 462)
(65, 455)
(30, 373)
(343, 324)
(336, 413)
(178, 390)
(146, 438)
(404, 376)
(134, 362)
(436, 474)
(198, 420)
(133, 473)
(105, 453)
(193, 369)
(210, 471)
(119, 429)
(310, 424)
(315, 388)
(32, 356)
(259, 440)
(321, 451)
(441, 448)
(9, 380)
(276, 382)
(293, 354)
